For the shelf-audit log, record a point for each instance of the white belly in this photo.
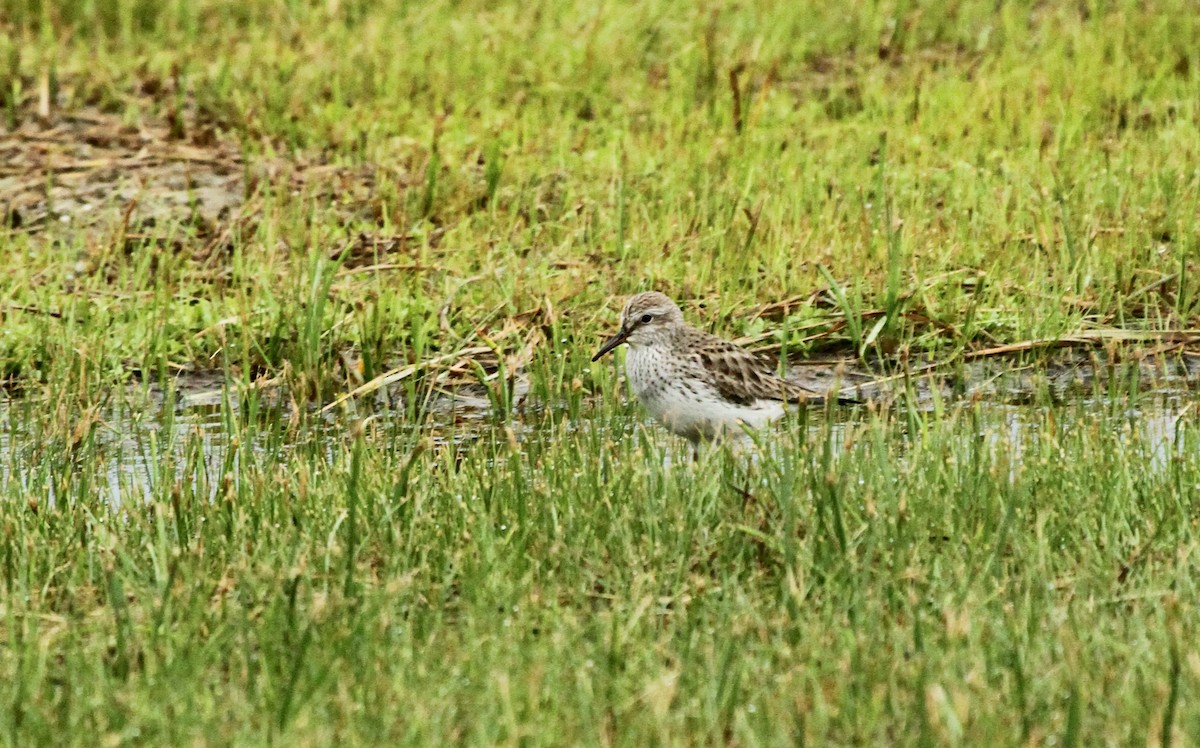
(682, 400)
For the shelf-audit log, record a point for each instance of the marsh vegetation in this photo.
(300, 441)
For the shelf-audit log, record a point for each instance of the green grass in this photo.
(906, 577)
(423, 179)
(1030, 169)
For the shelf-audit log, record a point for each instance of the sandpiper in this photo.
(696, 384)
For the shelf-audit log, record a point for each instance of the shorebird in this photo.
(697, 385)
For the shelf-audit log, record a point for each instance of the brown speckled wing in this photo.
(743, 377)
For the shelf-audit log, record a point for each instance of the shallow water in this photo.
(201, 431)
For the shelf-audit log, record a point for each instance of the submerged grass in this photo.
(473, 186)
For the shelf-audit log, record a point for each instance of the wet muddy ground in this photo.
(90, 171)
(1153, 392)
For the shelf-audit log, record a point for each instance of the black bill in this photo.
(611, 343)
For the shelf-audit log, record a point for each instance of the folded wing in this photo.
(743, 377)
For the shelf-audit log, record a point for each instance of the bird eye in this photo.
(646, 318)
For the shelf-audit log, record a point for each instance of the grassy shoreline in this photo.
(999, 177)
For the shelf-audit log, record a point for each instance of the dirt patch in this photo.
(90, 167)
